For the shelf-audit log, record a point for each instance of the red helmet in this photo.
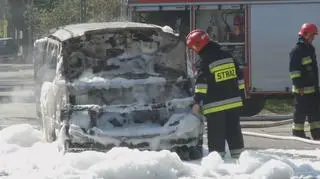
(197, 40)
(308, 28)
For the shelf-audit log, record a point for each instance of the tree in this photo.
(47, 15)
(103, 10)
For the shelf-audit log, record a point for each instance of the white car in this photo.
(101, 85)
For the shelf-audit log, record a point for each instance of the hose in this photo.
(280, 120)
(277, 137)
(265, 125)
(267, 118)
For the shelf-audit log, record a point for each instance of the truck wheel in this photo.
(253, 106)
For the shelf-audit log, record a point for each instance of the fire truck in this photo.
(259, 34)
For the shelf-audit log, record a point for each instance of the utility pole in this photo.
(83, 10)
(5, 20)
(30, 34)
(123, 9)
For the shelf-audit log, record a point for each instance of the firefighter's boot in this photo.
(235, 153)
(315, 133)
(299, 133)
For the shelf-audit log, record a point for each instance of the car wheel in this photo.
(188, 153)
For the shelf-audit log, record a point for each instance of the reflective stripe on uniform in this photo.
(315, 125)
(201, 88)
(298, 127)
(222, 105)
(306, 60)
(220, 62)
(295, 74)
(306, 90)
(241, 84)
(223, 69)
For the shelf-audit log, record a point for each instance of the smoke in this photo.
(16, 83)
(22, 94)
(17, 95)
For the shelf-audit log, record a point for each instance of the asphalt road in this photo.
(17, 106)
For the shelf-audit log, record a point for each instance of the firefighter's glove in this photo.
(196, 109)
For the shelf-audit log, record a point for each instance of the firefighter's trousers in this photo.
(225, 126)
(306, 108)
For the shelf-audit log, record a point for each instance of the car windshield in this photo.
(124, 53)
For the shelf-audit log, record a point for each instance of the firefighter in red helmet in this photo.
(217, 95)
(303, 69)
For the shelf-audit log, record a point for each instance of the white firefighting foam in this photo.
(100, 82)
(24, 155)
(189, 125)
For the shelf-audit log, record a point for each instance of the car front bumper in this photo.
(181, 129)
(187, 133)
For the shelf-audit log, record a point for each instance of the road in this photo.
(16, 94)
(17, 106)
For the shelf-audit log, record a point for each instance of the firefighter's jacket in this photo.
(218, 80)
(303, 68)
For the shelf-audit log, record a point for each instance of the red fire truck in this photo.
(259, 34)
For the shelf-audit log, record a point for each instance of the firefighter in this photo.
(304, 74)
(217, 95)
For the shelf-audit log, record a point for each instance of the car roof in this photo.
(77, 30)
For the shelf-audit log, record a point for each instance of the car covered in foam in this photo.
(103, 85)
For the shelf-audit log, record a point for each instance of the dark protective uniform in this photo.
(304, 74)
(217, 91)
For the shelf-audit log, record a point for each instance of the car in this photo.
(9, 51)
(114, 84)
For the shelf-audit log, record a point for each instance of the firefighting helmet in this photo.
(197, 40)
(308, 28)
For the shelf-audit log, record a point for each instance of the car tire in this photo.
(188, 153)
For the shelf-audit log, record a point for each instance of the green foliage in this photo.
(103, 10)
(56, 13)
(279, 105)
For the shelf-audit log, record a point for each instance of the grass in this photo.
(280, 106)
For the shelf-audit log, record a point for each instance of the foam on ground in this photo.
(23, 154)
